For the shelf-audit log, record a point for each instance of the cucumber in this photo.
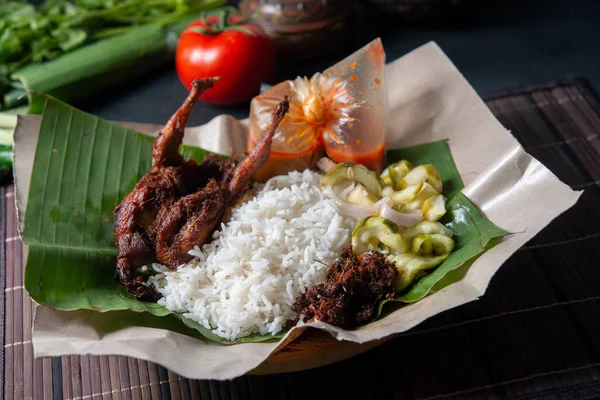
(425, 173)
(367, 234)
(397, 172)
(410, 265)
(360, 196)
(357, 173)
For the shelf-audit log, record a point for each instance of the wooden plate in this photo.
(309, 349)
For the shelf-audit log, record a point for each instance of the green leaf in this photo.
(6, 155)
(71, 39)
(83, 168)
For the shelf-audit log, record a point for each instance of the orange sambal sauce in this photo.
(281, 163)
(374, 160)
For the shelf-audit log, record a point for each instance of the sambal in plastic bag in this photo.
(339, 113)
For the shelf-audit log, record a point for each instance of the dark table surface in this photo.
(496, 44)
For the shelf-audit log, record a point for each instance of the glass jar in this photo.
(302, 29)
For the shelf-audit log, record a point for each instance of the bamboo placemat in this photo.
(535, 333)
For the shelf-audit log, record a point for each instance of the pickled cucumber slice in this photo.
(360, 196)
(425, 173)
(434, 208)
(425, 193)
(409, 265)
(367, 233)
(397, 172)
(403, 196)
(427, 228)
(395, 242)
(385, 177)
(354, 172)
(434, 244)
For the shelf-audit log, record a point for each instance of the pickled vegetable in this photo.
(409, 265)
(425, 173)
(425, 193)
(434, 208)
(397, 172)
(403, 196)
(385, 177)
(357, 173)
(406, 202)
(360, 196)
(428, 228)
(395, 242)
(434, 244)
(400, 218)
(367, 234)
(421, 248)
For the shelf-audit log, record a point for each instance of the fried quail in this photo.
(179, 203)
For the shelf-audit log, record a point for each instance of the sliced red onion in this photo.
(357, 212)
(399, 218)
(384, 201)
(325, 164)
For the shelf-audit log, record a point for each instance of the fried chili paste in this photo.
(355, 285)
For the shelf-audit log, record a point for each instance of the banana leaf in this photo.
(85, 165)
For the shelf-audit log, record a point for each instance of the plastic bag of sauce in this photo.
(340, 112)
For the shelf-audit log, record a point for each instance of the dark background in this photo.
(536, 330)
(496, 44)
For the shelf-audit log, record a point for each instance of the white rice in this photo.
(273, 247)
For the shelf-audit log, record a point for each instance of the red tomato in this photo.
(242, 59)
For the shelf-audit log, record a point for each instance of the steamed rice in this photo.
(271, 249)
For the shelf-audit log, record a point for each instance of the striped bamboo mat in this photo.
(535, 334)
